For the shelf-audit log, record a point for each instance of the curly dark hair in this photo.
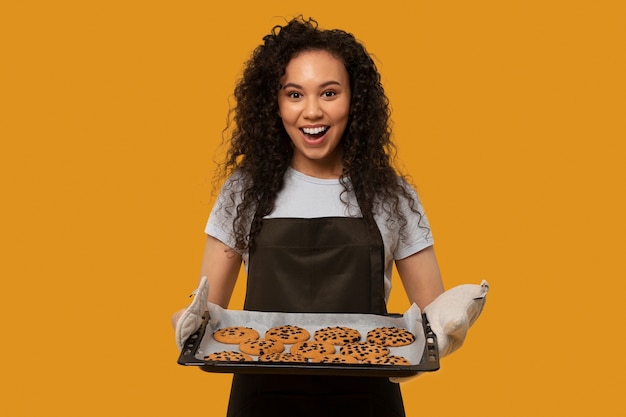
(260, 149)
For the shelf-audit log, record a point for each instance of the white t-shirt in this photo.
(307, 197)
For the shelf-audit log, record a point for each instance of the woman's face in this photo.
(313, 103)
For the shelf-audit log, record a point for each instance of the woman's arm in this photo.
(221, 265)
(421, 277)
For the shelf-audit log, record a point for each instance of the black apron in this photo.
(330, 265)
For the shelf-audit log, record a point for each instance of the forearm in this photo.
(421, 277)
(221, 265)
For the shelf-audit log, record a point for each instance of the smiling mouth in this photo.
(315, 132)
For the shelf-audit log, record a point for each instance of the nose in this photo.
(312, 109)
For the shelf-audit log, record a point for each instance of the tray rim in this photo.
(428, 363)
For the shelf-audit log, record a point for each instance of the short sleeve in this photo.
(415, 235)
(220, 222)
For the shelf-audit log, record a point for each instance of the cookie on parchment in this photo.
(364, 350)
(390, 336)
(388, 360)
(311, 348)
(287, 334)
(337, 335)
(235, 334)
(227, 356)
(282, 357)
(261, 347)
(335, 358)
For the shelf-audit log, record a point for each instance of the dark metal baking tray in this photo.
(192, 354)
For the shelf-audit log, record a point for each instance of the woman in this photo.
(314, 208)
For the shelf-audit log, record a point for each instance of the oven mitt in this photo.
(451, 315)
(191, 319)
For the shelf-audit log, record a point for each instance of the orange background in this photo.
(509, 115)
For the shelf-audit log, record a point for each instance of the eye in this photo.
(294, 95)
(329, 93)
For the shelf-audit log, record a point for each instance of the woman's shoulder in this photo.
(235, 182)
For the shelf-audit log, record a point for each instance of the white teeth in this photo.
(313, 130)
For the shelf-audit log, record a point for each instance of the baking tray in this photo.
(423, 353)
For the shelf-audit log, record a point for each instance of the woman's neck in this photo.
(318, 169)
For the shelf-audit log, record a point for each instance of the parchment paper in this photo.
(262, 321)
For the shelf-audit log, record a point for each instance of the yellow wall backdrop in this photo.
(509, 116)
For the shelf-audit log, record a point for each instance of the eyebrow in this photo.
(323, 85)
